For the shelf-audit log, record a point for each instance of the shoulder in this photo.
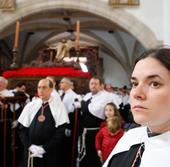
(56, 95)
(87, 96)
(7, 93)
(103, 124)
(131, 137)
(73, 93)
(138, 130)
(134, 135)
(102, 132)
(104, 95)
(120, 132)
(34, 102)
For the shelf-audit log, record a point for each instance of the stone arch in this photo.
(119, 16)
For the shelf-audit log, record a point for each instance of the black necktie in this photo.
(62, 96)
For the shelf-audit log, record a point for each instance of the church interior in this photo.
(70, 38)
(26, 42)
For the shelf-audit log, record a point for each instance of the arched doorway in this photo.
(119, 17)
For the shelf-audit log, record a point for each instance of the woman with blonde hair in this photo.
(110, 132)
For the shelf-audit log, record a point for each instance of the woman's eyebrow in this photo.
(149, 77)
(133, 78)
(154, 76)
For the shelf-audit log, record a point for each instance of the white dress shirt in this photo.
(69, 99)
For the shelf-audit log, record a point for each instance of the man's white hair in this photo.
(67, 80)
(4, 80)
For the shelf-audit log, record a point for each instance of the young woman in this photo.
(148, 145)
(110, 132)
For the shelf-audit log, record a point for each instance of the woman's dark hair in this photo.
(161, 54)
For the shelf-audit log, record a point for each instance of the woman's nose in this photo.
(138, 92)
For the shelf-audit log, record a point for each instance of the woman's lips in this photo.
(139, 108)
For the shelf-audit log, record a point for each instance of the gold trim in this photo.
(7, 5)
(124, 3)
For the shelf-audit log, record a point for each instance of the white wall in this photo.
(113, 72)
(150, 12)
(155, 14)
(167, 22)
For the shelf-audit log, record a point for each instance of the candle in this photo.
(78, 34)
(16, 34)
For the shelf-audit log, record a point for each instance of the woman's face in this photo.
(109, 111)
(150, 94)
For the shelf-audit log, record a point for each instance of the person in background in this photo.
(108, 87)
(5, 121)
(111, 95)
(19, 93)
(42, 127)
(148, 145)
(125, 105)
(23, 88)
(71, 102)
(21, 99)
(54, 92)
(69, 97)
(4, 92)
(109, 133)
(92, 109)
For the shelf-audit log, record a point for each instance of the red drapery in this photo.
(42, 72)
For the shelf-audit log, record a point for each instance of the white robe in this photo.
(6, 93)
(157, 148)
(99, 101)
(69, 99)
(57, 109)
(56, 95)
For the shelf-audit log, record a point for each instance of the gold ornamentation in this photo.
(7, 5)
(124, 3)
